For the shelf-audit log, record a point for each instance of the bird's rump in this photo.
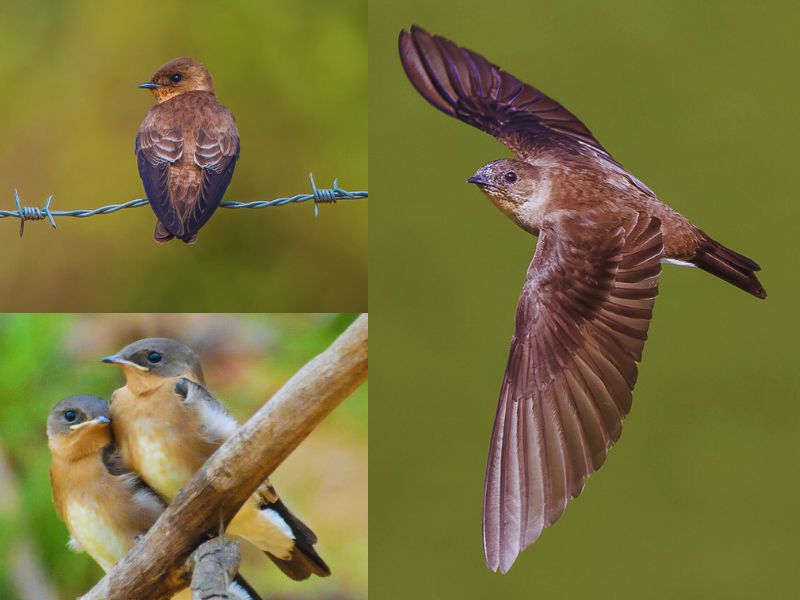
(465, 85)
(581, 325)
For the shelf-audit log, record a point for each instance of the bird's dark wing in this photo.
(581, 325)
(156, 149)
(216, 154)
(465, 85)
(304, 561)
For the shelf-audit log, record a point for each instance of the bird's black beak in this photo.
(479, 181)
(150, 86)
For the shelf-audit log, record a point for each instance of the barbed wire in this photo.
(318, 195)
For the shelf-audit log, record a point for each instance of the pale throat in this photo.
(530, 214)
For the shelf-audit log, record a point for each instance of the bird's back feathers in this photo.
(187, 149)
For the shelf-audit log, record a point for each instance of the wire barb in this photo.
(318, 195)
(31, 213)
(322, 196)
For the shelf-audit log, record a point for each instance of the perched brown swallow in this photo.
(187, 148)
(167, 424)
(586, 305)
(106, 507)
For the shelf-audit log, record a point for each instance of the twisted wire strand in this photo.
(318, 195)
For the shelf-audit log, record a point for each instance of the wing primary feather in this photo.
(581, 325)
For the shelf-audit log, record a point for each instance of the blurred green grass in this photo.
(697, 500)
(246, 358)
(293, 74)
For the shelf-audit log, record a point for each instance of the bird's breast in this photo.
(154, 433)
(158, 461)
(95, 532)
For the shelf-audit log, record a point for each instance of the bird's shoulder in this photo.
(216, 423)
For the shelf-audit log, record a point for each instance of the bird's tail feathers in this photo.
(730, 266)
(161, 235)
(304, 561)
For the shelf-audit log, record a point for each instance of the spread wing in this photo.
(465, 85)
(581, 325)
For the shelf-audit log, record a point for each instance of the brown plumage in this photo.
(587, 302)
(186, 148)
(167, 424)
(106, 508)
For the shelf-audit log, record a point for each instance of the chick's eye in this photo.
(154, 357)
(510, 177)
(176, 78)
(70, 416)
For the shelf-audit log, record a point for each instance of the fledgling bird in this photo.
(187, 148)
(167, 424)
(106, 507)
(587, 302)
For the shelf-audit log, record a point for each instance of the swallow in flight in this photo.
(587, 301)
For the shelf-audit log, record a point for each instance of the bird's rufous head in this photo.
(178, 77)
(519, 189)
(148, 362)
(78, 426)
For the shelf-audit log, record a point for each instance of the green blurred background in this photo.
(294, 74)
(245, 360)
(699, 498)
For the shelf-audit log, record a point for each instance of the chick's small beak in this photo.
(116, 359)
(96, 421)
(149, 85)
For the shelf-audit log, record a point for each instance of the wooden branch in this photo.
(152, 569)
(216, 563)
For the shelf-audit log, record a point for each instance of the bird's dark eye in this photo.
(510, 177)
(154, 357)
(70, 416)
(176, 78)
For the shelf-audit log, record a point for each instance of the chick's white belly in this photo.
(158, 467)
(96, 534)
